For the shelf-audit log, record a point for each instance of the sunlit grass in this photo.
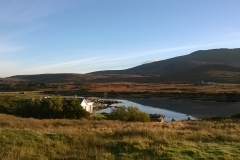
(84, 139)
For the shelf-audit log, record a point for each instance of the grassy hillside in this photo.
(82, 139)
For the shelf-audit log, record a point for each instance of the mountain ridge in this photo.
(174, 63)
(220, 65)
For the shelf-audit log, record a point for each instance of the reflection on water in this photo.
(151, 110)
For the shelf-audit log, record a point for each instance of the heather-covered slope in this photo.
(183, 64)
(219, 65)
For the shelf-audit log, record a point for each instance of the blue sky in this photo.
(81, 36)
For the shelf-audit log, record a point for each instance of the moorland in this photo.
(176, 78)
(28, 138)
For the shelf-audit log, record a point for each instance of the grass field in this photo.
(85, 139)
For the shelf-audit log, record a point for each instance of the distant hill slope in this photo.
(219, 65)
(182, 64)
(50, 78)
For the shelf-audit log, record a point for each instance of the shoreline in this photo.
(197, 105)
(197, 109)
(219, 97)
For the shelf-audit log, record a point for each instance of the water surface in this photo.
(151, 110)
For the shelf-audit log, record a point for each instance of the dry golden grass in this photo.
(139, 87)
(45, 125)
(159, 87)
(22, 138)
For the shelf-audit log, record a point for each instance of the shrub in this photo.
(119, 113)
(99, 117)
(136, 115)
(129, 114)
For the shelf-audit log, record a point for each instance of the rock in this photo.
(173, 120)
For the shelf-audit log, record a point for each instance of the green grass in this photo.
(13, 99)
(99, 117)
(109, 140)
(27, 144)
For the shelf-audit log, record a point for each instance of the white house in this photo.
(88, 106)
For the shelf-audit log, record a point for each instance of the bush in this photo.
(136, 115)
(129, 114)
(99, 117)
(119, 113)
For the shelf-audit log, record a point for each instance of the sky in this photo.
(82, 36)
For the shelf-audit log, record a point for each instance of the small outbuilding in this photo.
(88, 106)
(205, 83)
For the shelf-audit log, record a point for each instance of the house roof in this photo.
(83, 99)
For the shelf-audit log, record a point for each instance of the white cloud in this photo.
(84, 65)
(20, 11)
(7, 48)
(58, 67)
(18, 33)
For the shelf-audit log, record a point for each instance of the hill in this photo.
(182, 64)
(219, 65)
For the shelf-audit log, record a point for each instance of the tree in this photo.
(28, 108)
(56, 108)
(73, 109)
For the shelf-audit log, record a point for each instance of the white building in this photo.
(205, 83)
(88, 106)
